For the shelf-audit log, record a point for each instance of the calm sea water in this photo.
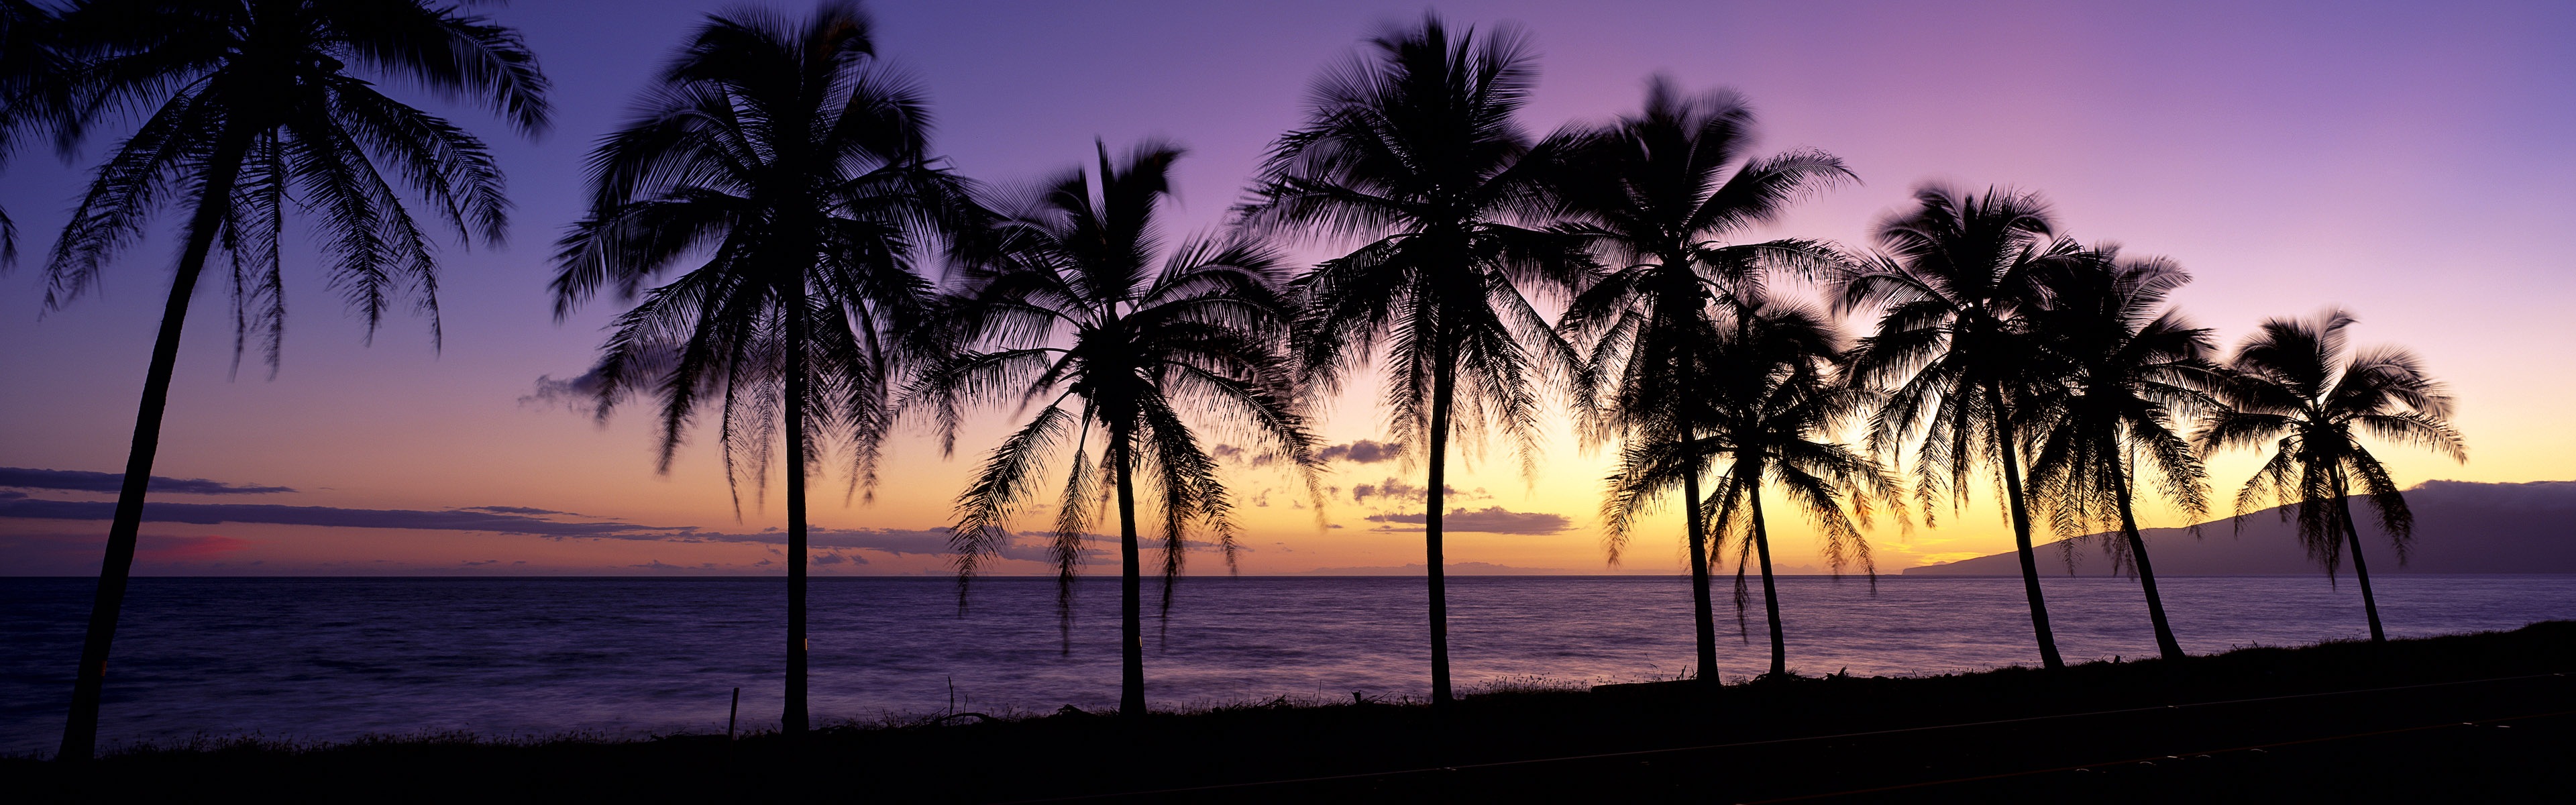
(339, 658)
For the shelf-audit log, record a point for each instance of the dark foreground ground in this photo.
(2485, 717)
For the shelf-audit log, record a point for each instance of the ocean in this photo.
(338, 658)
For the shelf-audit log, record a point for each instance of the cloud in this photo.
(578, 394)
(1027, 545)
(86, 481)
(1489, 520)
(336, 517)
(1396, 490)
(1363, 452)
(514, 510)
(1452, 569)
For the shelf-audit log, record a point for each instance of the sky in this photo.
(2405, 161)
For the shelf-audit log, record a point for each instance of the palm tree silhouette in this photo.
(1951, 282)
(1416, 152)
(1073, 307)
(248, 101)
(1657, 193)
(2298, 387)
(783, 155)
(1767, 404)
(2129, 366)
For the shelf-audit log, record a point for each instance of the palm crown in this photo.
(2298, 387)
(796, 166)
(261, 92)
(2130, 368)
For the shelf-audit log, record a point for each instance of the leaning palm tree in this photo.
(2131, 368)
(1072, 307)
(1659, 194)
(1415, 153)
(786, 169)
(2297, 387)
(1767, 408)
(1950, 282)
(251, 109)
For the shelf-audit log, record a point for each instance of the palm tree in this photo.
(251, 101)
(782, 161)
(2130, 366)
(2298, 387)
(1767, 406)
(1657, 194)
(1951, 282)
(1074, 308)
(1415, 152)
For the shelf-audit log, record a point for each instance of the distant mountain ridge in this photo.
(2460, 527)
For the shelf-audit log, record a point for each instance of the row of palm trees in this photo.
(770, 208)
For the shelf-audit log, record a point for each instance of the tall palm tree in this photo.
(2131, 368)
(1658, 194)
(247, 102)
(1072, 306)
(1416, 153)
(1768, 406)
(786, 168)
(2299, 388)
(1951, 281)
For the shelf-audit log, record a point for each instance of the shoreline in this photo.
(1538, 739)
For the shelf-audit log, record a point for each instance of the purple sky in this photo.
(2409, 161)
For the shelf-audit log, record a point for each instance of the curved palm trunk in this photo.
(793, 720)
(2165, 643)
(2360, 567)
(1444, 380)
(1131, 596)
(1770, 592)
(80, 730)
(2021, 531)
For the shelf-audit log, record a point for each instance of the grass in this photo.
(2148, 708)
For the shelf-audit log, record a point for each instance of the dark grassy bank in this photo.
(2482, 716)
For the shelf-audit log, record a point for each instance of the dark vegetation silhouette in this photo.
(784, 168)
(1951, 283)
(1069, 304)
(249, 110)
(2127, 372)
(783, 172)
(1412, 150)
(2298, 385)
(1657, 196)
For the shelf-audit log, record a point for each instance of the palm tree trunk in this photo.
(2360, 567)
(80, 730)
(1703, 615)
(1770, 591)
(2165, 642)
(1131, 578)
(2021, 530)
(1444, 380)
(793, 721)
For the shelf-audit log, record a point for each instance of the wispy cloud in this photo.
(1490, 520)
(86, 481)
